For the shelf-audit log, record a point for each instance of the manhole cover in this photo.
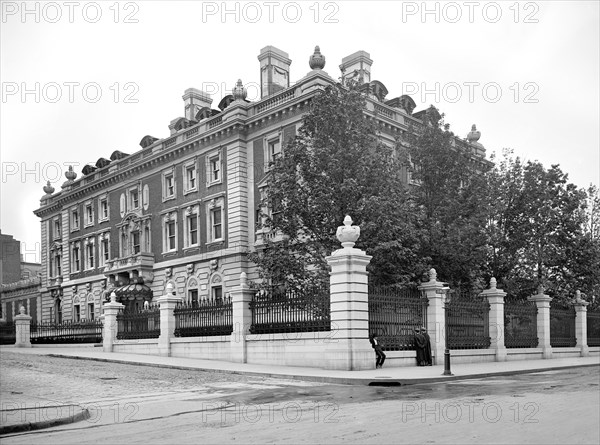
(108, 378)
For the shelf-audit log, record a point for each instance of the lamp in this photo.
(447, 300)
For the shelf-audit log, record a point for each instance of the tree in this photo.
(337, 166)
(449, 201)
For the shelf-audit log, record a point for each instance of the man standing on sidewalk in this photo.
(378, 351)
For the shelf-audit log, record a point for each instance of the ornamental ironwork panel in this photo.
(84, 331)
(138, 324)
(562, 326)
(394, 314)
(593, 327)
(467, 322)
(520, 324)
(206, 317)
(281, 311)
(7, 333)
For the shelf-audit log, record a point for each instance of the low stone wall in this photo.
(313, 349)
(566, 352)
(514, 354)
(146, 347)
(208, 348)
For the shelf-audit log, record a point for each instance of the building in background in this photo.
(20, 281)
(183, 209)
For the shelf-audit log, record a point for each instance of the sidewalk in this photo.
(15, 419)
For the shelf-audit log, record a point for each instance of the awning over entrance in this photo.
(134, 291)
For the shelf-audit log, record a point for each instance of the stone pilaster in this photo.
(109, 323)
(237, 197)
(241, 296)
(434, 290)
(349, 301)
(581, 324)
(542, 302)
(495, 298)
(167, 303)
(22, 329)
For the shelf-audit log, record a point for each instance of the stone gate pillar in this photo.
(167, 304)
(434, 290)
(495, 298)
(349, 347)
(22, 329)
(581, 324)
(109, 324)
(542, 302)
(241, 297)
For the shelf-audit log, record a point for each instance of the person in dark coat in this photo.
(420, 346)
(428, 358)
(380, 356)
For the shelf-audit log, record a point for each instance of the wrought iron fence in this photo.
(593, 327)
(394, 313)
(520, 324)
(467, 323)
(7, 333)
(562, 326)
(204, 318)
(138, 324)
(48, 332)
(275, 311)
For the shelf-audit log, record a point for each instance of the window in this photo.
(57, 233)
(190, 177)
(135, 241)
(274, 150)
(134, 198)
(75, 258)
(169, 185)
(75, 219)
(90, 311)
(170, 232)
(147, 238)
(217, 294)
(89, 255)
(213, 168)
(56, 267)
(215, 220)
(76, 313)
(103, 209)
(191, 227)
(193, 297)
(104, 248)
(89, 214)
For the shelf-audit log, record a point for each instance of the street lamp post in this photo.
(447, 299)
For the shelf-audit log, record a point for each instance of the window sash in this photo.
(216, 223)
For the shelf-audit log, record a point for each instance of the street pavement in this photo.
(21, 412)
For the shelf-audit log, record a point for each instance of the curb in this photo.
(83, 414)
(389, 381)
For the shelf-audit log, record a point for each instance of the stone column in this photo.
(167, 304)
(109, 324)
(241, 297)
(436, 322)
(542, 302)
(581, 324)
(22, 329)
(349, 348)
(496, 319)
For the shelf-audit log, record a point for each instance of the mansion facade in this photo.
(183, 210)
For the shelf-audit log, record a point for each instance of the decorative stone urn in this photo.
(239, 92)
(474, 134)
(348, 234)
(317, 60)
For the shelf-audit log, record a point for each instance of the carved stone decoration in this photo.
(48, 189)
(317, 60)
(348, 234)
(22, 310)
(88, 287)
(74, 289)
(239, 92)
(168, 272)
(190, 268)
(70, 175)
(214, 264)
(474, 134)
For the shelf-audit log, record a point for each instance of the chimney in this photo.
(274, 70)
(357, 66)
(195, 100)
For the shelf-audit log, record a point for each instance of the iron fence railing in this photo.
(280, 311)
(7, 333)
(467, 323)
(562, 326)
(394, 314)
(138, 324)
(520, 324)
(84, 331)
(593, 327)
(204, 318)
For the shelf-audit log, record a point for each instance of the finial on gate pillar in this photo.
(493, 283)
(348, 234)
(432, 275)
(113, 297)
(170, 289)
(22, 310)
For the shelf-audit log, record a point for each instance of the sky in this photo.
(80, 80)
